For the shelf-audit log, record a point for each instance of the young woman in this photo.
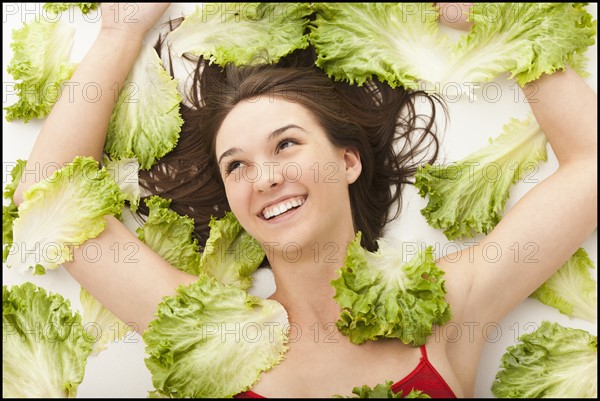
(254, 130)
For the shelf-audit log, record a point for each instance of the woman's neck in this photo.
(303, 282)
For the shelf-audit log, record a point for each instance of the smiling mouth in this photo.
(278, 209)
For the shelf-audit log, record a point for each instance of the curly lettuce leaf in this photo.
(383, 391)
(231, 254)
(468, 197)
(125, 172)
(57, 8)
(40, 65)
(523, 39)
(100, 324)
(572, 290)
(242, 33)
(213, 340)
(171, 235)
(552, 362)
(16, 173)
(382, 295)
(61, 211)
(146, 121)
(10, 212)
(45, 348)
(399, 43)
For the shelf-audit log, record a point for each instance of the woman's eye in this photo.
(286, 143)
(231, 166)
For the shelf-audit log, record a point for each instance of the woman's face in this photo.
(285, 181)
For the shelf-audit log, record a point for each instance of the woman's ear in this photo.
(353, 164)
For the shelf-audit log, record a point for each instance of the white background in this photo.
(119, 371)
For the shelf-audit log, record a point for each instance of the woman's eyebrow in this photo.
(281, 130)
(271, 136)
(229, 152)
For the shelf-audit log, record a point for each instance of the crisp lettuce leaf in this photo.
(10, 212)
(399, 43)
(146, 121)
(57, 8)
(125, 172)
(572, 290)
(45, 348)
(523, 39)
(468, 197)
(552, 362)
(242, 33)
(16, 173)
(383, 391)
(63, 210)
(213, 340)
(170, 235)
(101, 325)
(40, 65)
(231, 254)
(382, 295)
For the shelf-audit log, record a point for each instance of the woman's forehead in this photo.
(260, 116)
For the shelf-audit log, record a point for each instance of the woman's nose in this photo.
(269, 176)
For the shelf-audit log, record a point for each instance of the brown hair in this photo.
(381, 122)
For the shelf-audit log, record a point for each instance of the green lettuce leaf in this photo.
(552, 362)
(146, 121)
(16, 172)
(45, 348)
(171, 235)
(231, 255)
(572, 290)
(242, 33)
(63, 210)
(40, 65)
(382, 295)
(100, 324)
(213, 340)
(57, 8)
(523, 39)
(399, 43)
(383, 391)
(10, 212)
(468, 196)
(125, 172)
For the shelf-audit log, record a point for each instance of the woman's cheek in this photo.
(235, 197)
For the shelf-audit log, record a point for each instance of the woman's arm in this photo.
(552, 220)
(76, 126)
(124, 274)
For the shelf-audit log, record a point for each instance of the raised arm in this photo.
(76, 126)
(552, 220)
(116, 268)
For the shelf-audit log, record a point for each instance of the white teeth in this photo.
(281, 208)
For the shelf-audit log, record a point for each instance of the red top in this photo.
(424, 378)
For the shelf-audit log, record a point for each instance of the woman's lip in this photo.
(282, 199)
(287, 214)
(284, 216)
